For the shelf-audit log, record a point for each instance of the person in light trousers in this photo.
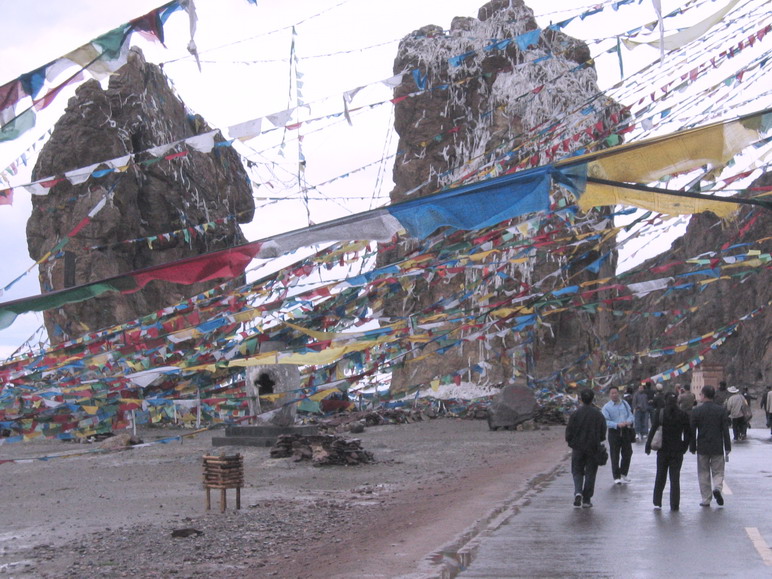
(712, 443)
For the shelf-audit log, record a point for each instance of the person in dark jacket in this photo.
(766, 406)
(676, 434)
(640, 408)
(650, 408)
(710, 440)
(585, 431)
(628, 395)
(722, 394)
(687, 400)
(658, 401)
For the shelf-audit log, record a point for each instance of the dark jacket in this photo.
(676, 431)
(586, 429)
(710, 429)
(687, 401)
(721, 397)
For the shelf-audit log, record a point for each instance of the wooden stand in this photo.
(223, 472)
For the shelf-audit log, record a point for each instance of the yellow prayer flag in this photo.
(598, 195)
(322, 395)
(650, 160)
(483, 255)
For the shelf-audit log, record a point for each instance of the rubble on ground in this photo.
(321, 449)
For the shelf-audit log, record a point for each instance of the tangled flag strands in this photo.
(470, 207)
(191, 358)
(117, 392)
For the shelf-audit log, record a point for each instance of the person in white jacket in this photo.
(738, 409)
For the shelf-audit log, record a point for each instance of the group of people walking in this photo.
(685, 425)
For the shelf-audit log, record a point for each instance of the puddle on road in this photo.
(451, 563)
(11, 546)
(22, 566)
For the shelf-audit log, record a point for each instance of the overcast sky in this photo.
(341, 44)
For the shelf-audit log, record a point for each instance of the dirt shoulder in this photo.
(435, 485)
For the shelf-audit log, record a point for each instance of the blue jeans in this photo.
(583, 469)
(642, 423)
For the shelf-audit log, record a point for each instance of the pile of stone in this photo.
(552, 412)
(321, 449)
(393, 416)
(356, 421)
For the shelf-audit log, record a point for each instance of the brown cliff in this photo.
(716, 289)
(138, 111)
(468, 106)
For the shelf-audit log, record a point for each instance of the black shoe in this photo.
(718, 497)
(578, 500)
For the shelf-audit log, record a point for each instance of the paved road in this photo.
(622, 536)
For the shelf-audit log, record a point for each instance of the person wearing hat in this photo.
(739, 411)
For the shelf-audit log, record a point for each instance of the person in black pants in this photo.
(619, 420)
(585, 431)
(676, 435)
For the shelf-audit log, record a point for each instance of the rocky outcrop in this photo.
(146, 202)
(470, 103)
(735, 289)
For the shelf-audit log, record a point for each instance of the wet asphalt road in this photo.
(622, 536)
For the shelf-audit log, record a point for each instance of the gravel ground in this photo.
(433, 486)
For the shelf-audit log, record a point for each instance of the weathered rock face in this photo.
(699, 311)
(514, 405)
(138, 111)
(465, 109)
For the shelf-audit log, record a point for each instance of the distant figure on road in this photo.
(766, 406)
(641, 410)
(710, 440)
(628, 395)
(585, 431)
(722, 395)
(749, 398)
(619, 420)
(659, 398)
(676, 434)
(687, 399)
(650, 392)
(739, 411)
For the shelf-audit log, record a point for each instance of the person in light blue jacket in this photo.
(619, 420)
